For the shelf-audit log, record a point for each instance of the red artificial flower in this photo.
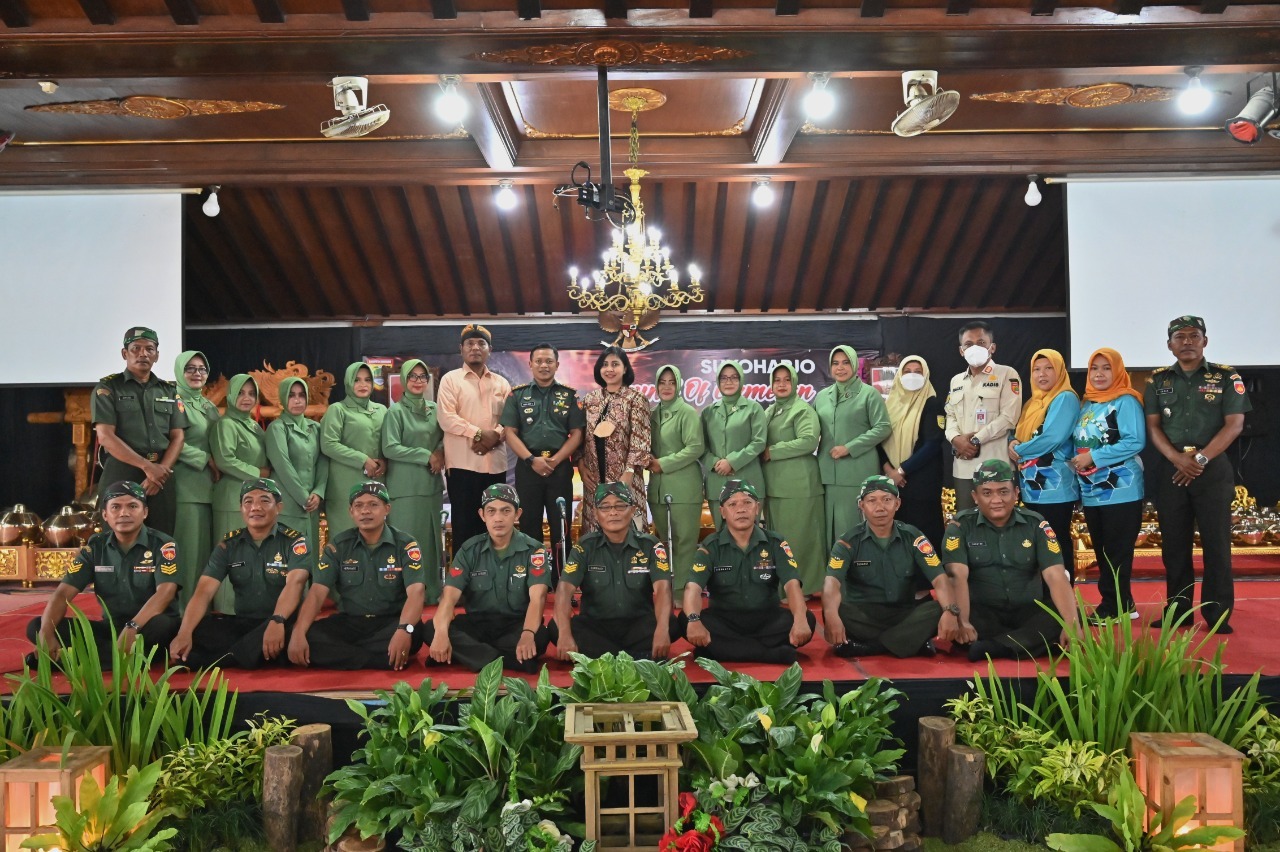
(694, 841)
(717, 826)
(688, 803)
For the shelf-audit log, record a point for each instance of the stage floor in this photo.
(1248, 650)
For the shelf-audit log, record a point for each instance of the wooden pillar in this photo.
(316, 742)
(281, 781)
(965, 769)
(937, 736)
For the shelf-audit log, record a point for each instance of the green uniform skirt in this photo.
(420, 518)
(193, 533)
(687, 520)
(800, 521)
(842, 512)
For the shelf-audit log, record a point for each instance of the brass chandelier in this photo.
(637, 278)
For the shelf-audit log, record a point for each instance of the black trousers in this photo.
(1027, 630)
(1114, 530)
(1059, 517)
(479, 639)
(351, 642)
(158, 632)
(901, 628)
(233, 640)
(538, 497)
(1206, 503)
(598, 636)
(162, 508)
(465, 490)
(762, 637)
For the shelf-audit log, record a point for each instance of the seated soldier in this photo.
(501, 576)
(134, 571)
(377, 571)
(267, 563)
(868, 598)
(626, 586)
(1001, 558)
(742, 567)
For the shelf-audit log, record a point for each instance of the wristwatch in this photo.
(475, 439)
(974, 440)
(132, 625)
(694, 617)
(954, 609)
(407, 628)
(1201, 459)
(278, 619)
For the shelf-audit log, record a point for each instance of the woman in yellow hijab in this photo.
(1043, 445)
(912, 455)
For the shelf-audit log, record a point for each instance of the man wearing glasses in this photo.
(139, 421)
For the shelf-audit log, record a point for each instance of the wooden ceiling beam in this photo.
(779, 117)
(15, 14)
(269, 11)
(355, 10)
(787, 8)
(183, 12)
(98, 12)
(444, 10)
(491, 125)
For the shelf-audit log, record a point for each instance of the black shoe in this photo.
(1224, 629)
(31, 660)
(785, 655)
(983, 648)
(927, 649)
(853, 648)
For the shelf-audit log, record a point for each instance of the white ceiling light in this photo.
(762, 195)
(450, 105)
(1033, 196)
(819, 103)
(506, 197)
(1195, 98)
(211, 207)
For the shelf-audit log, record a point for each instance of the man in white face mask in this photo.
(983, 406)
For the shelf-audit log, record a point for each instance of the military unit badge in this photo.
(169, 551)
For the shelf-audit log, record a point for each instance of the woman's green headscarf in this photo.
(185, 391)
(349, 382)
(852, 355)
(234, 387)
(292, 421)
(783, 403)
(675, 372)
(733, 399)
(412, 401)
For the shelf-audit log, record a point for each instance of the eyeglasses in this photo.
(612, 508)
(196, 370)
(730, 380)
(417, 377)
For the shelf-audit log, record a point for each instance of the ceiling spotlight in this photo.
(450, 105)
(48, 86)
(927, 105)
(1033, 196)
(819, 103)
(1195, 98)
(1247, 126)
(506, 199)
(351, 98)
(762, 195)
(211, 207)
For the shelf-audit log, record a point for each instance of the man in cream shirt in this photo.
(983, 406)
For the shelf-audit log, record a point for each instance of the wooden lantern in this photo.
(29, 782)
(638, 746)
(1170, 767)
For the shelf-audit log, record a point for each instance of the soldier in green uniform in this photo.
(625, 579)
(793, 485)
(413, 445)
(735, 430)
(869, 601)
(1001, 558)
(742, 567)
(138, 419)
(297, 465)
(502, 577)
(675, 475)
(268, 567)
(1195, 409)
(195, 473)
(377, 570)
(134, 571)
(544, 421)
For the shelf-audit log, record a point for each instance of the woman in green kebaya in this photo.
(793, 486)
(299, 468)
(854, 422)
(412, 442)
(734, 428)
(195, 473)
(674, 471)
(240, 451)
(351, 437)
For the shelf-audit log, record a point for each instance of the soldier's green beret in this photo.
(501, 491)
(738, 486)
(139, 332)
(1187, 321)
(617, 489)
(372, 486)
(261, 484)
(878, 483)
(993, 470)
(124, 488)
